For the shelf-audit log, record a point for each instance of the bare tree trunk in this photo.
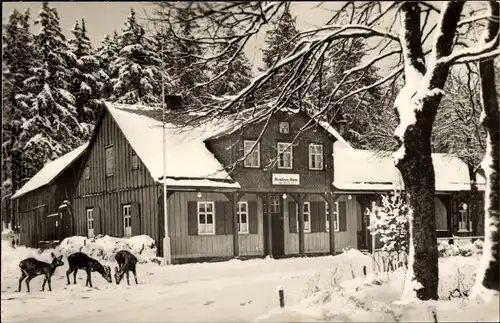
(488, 273)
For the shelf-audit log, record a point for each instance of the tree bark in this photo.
(416, 106)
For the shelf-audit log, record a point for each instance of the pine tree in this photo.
(85, 85)
(238, 74)
(52, 128)
(136, 71)
(106, 54)
(19, 58)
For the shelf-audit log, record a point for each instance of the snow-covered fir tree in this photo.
(52, 127)
(136, 72)
(85, 85)
(106, 54)
(18, 59)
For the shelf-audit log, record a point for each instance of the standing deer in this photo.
(30, 267)
(79, 260)
(127, 262)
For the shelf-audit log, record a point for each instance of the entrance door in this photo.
(277, 226)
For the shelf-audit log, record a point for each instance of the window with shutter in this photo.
(307, 216)
(127, 221)
(253, 156)
(316, 156)
(243, 217)
(90, 222)
(335, 216)
(206, 218)
(109, 161)
(285, 155)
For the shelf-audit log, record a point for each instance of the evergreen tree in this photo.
(238, 74)
(85, 85)
(19, 59)
(136, 71)
(52, 127)
(106, 54)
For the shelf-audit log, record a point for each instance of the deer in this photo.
(80, 260)
(31, 267)
(126, 262)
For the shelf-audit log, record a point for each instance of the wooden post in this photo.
(269, 227)
(236, 240)
(281, 296)
(300, 200)
(331, 205)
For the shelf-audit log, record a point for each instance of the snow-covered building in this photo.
(268, 204)
(37, 204)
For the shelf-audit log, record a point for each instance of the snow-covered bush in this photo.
(390, 222)
(105, 247)
(471, 249)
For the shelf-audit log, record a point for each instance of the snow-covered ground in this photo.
(316, 289)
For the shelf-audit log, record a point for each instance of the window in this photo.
(275, 205)
(464, 219)
(135, 161)
(127, 221)
(87, 172)
(316, 156)
(307, 216)
(335, 216)
(109, 161)
(243, 217)
(285, 155)
(90, 223)
(253, 157)
(206, 218)
(284, 127)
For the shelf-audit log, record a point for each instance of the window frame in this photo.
(86, 172)
(256, 151)
(288, 127)
(199, 224)
(289, 150)
(277, 204)
(126, 217)
(240, 213)
(308, 216)
(112, 163)
(320, 154)
(135, 161)
(335, 217)
(464, 225)
(90, 210)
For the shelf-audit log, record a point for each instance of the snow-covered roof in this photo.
(188, 161)
(356, 169)
(50, 171)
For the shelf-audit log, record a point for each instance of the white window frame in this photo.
(243, 227)
(284, 148)
(335, 217)
(317, 154)
(135, 161)
(127, 220)
(284, 125)
(307, 224)
(109, 165)
(254, 155)
(90, 222)
(202, 227)
(464, 217)
(275, 205)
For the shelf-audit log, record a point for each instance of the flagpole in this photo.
(167, 254)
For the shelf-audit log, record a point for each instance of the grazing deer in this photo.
(126, 261)
(30, 267)
(79, 260)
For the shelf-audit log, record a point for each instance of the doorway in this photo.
(277, 226)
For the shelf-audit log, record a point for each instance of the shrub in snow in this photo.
(390, 222)
(105, 247)
(468, 250)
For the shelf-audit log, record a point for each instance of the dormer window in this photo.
(284, 127)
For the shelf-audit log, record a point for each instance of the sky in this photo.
(103, 18)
